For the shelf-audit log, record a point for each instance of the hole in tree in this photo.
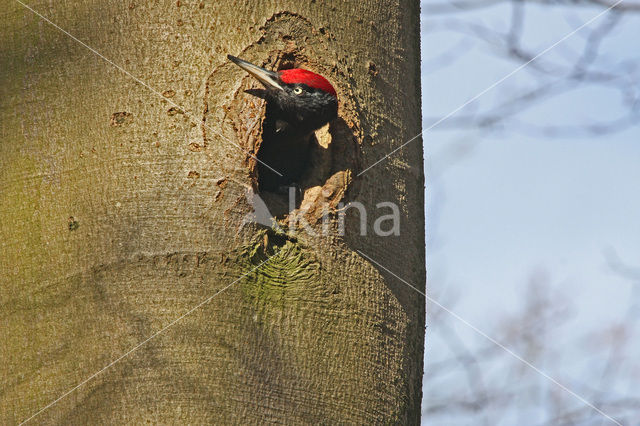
(292, 166)
(285, 162)
(284, 156)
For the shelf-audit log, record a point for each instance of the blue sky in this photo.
(505, 207)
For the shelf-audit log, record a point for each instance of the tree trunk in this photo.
(125, 197)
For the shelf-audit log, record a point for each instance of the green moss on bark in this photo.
(281, 271)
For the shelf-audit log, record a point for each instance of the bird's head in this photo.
(304, 99)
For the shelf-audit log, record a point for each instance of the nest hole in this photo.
(287, 168)
(320, 182)
(298, 173)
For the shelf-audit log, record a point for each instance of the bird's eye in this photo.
(297, 90)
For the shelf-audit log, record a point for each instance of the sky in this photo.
(509, 207)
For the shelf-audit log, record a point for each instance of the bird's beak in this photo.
(270, 79)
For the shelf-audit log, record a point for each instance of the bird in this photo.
(299, 102)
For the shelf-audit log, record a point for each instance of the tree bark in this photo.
(124, 203)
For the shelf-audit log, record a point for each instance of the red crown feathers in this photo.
(311, 79)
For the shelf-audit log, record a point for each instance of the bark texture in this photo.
(124, 206)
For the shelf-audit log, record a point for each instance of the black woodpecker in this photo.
(298, 102)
